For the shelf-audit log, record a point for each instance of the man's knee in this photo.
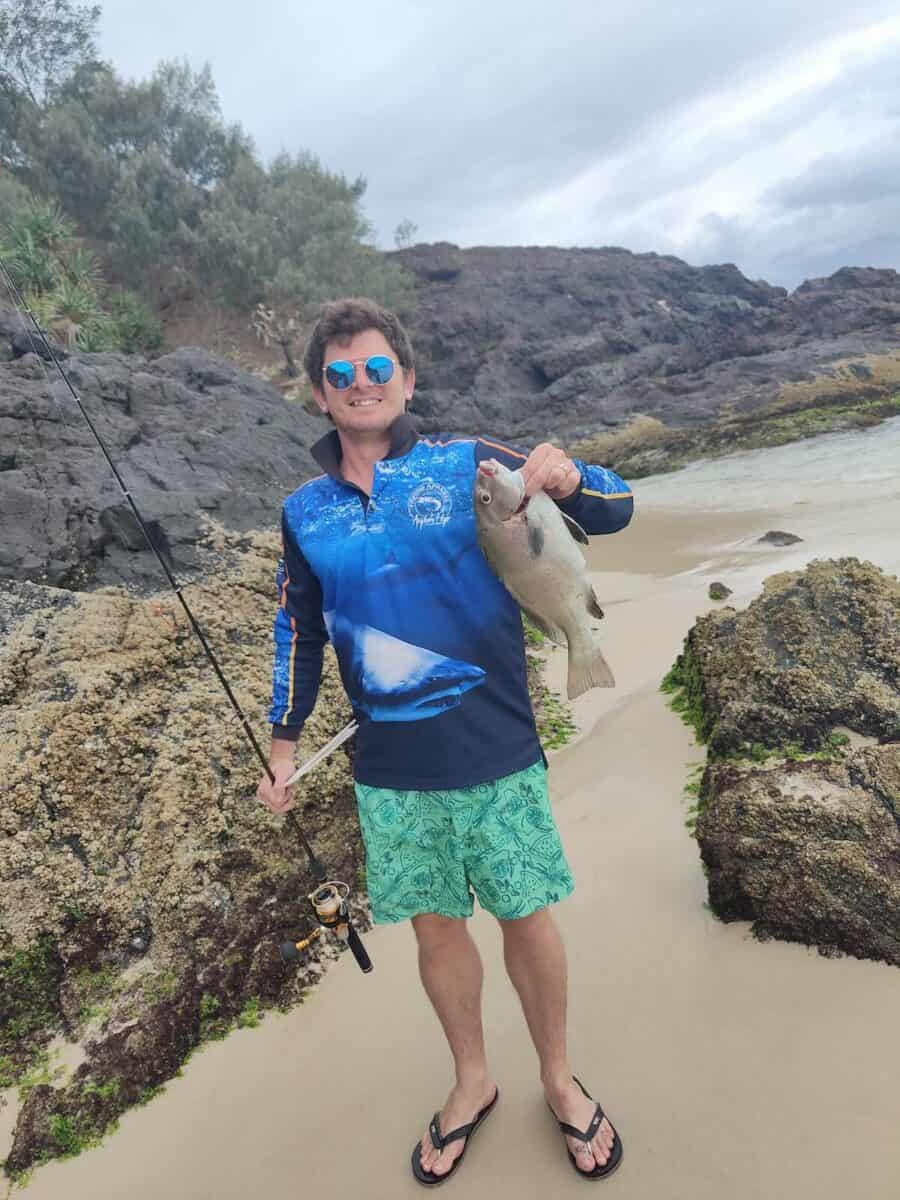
(522, 928)
(434, 930)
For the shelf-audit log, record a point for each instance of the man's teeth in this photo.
(364, 403)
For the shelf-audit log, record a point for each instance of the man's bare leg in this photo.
(451, 971)
(536, 963)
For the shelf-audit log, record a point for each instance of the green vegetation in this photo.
(29, 1004)
(63, 285)
(555, 725)
(830, 750)
(95, 990)
(160, 987)
(105, 1091)
(533, 636)
(72, 1135)
(151, 178)
(684, 685)
(212, 1026)
(692, 791)
(249, 1016)
(646, 446)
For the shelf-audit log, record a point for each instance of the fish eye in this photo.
(484, 497)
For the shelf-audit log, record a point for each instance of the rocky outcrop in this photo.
(799, 699)
(538, 341)
(190, 434)
(143, 890)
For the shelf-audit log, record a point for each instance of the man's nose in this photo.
(360, 379)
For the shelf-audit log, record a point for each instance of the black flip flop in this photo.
(439, 1141)
(615, 1157)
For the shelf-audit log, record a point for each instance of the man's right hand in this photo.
(277, 796)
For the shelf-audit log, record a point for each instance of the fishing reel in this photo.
(329, 901)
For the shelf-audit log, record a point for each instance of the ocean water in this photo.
(839, 492)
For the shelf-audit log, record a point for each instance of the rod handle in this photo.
(359, 950)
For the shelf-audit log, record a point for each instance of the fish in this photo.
(392, 680)
(530, 545)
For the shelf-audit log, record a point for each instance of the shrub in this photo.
(136, 325)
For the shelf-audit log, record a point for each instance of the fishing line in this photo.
(327, 900)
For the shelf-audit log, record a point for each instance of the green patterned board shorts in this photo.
(427, 851)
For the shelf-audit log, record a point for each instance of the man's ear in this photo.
(409, 384)
(319, 397)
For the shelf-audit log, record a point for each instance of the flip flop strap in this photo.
(440, 1140)
(588, 1134)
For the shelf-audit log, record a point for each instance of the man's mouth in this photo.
(368, 402)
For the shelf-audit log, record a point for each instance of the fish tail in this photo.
(588, 669)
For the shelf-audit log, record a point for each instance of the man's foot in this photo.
(570, 1104)
(463, 1105)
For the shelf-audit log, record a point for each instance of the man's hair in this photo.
(340, 320)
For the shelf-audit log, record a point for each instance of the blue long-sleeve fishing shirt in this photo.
(429, 642)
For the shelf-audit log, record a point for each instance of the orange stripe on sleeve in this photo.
(290, 703)
(505, 449)
(607, 495)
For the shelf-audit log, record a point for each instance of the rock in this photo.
(777, 537)
(799, 830)
(531, 342)
(819, 648)
(190, 434)
(807, 850)
(718, 591)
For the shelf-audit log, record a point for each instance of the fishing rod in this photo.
(330, 897)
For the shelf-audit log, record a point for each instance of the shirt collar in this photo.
(328, 453)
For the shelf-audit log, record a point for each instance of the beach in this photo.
(731, 1067)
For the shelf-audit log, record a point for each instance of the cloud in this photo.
(701, 128)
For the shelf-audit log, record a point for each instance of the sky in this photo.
(766, 134)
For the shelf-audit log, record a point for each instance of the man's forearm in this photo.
(282, 751)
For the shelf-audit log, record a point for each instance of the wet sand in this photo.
(731, 1068)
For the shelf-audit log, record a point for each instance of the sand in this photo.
(732, 1068)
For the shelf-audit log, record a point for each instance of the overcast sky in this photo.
(760, 132)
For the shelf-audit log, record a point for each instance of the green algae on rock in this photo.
(798, 698)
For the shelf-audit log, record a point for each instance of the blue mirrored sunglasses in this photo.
(342, 372)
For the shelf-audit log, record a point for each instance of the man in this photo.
(381, 557)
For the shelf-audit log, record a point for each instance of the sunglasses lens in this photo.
(340, 374)
(379, 368)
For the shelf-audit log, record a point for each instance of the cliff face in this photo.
(540, 341)
(526, 344)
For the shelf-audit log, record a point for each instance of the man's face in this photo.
(366, 407)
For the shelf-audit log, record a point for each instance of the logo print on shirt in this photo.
(429, 504)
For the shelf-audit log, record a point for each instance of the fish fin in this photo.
(588, 671)
(547, 628)
(574, 528)
(535, 540)
(593, 605)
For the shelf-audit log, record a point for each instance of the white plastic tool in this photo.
(338, 740)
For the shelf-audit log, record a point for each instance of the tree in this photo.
(404, 234)
(42, 43)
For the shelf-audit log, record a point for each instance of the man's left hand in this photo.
(549, 469)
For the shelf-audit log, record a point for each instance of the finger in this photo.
(545, 460)
(284, 804)
(536, 459)
(550, 476)
(563, 481)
